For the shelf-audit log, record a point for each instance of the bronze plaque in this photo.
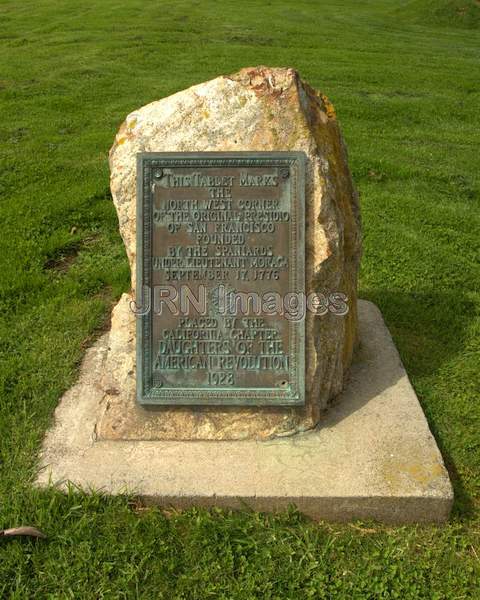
(220, 278)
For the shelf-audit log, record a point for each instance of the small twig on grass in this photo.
(31, 531)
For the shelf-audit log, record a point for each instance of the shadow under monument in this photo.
(429, 330)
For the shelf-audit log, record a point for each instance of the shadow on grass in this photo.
(430, 330)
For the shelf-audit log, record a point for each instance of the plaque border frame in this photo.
(147, 394)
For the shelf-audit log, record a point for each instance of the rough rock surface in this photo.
(256, 109)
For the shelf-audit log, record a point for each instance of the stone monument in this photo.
(256, 111)
(242, 228)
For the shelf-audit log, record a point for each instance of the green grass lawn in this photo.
(405, 79)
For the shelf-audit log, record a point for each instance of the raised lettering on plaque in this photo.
(220, 267)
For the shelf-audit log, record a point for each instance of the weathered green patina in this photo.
(220, 266)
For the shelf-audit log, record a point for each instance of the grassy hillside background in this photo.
(404, 78)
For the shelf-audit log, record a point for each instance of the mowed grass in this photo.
(405, 80)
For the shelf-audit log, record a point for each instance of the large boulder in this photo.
(256, 109)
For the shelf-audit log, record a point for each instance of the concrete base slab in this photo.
(372, 457)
